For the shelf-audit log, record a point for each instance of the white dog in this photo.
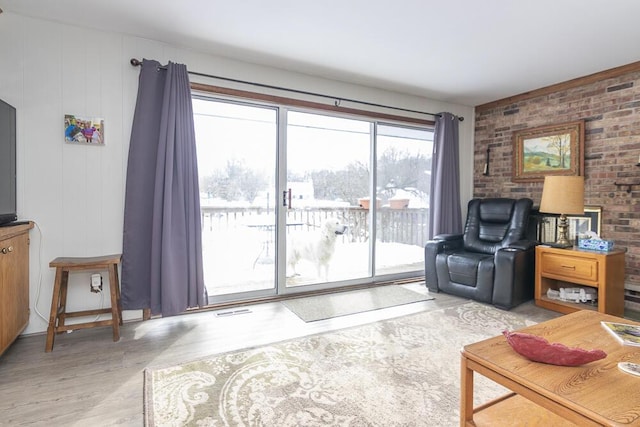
(317, 248)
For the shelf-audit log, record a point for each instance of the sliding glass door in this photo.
(237, 148)
(297, 200)
(328, 172)
(403, 177)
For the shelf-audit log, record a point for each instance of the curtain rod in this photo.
(337, 99)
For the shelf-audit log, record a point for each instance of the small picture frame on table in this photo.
(578, 224)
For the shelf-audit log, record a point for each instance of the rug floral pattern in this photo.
(398, 372)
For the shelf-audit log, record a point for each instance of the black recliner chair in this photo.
(493, 261)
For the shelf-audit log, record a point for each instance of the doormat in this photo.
(320, 307)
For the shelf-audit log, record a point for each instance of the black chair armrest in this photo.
(523, 245)
(439, 244)
(514, 274)
(448, 237)
(447, 241)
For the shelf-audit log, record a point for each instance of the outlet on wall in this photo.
(96, 282)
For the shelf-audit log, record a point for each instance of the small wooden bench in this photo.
(59, 314)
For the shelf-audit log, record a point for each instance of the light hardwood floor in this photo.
(88, 380)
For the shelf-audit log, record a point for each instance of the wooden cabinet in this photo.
(567, 268)
(14, 282)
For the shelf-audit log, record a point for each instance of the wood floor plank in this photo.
(88, 380)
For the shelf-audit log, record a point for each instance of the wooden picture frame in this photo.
(548, 150)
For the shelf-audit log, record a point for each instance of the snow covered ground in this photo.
(240, 258)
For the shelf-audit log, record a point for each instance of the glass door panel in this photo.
(403, 166)
(237, 148)
(327, 180)
(333, 229)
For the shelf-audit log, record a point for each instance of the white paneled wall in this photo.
(75, 193)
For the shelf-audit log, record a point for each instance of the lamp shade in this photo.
(563, 195)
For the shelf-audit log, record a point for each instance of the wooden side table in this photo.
(59, 312)
(566, 268)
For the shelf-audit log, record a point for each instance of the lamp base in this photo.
(563, 239)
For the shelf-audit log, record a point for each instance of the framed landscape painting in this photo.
(548, 150)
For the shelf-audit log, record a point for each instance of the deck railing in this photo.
(407, 226)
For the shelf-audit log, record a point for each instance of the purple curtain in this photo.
(444, 204)
(162, 246)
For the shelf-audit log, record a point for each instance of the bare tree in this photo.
(561, 144)
(396, 170)
(235, 182)
(400, 170)
(348, 184)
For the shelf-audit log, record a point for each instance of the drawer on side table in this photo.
(569, 267)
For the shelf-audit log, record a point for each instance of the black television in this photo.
(8, 206)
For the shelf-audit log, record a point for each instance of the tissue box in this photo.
(595, 244)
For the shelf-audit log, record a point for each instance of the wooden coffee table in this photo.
(597, 393)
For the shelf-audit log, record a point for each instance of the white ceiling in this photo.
(466, 51)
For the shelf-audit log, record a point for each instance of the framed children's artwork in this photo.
(83, 130)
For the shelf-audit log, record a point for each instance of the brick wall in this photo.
(610, 107)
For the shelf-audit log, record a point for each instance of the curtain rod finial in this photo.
(135, 62)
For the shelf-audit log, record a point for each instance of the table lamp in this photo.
(563, 195)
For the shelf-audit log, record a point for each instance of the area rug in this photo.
(398, 372)
(320, 307)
